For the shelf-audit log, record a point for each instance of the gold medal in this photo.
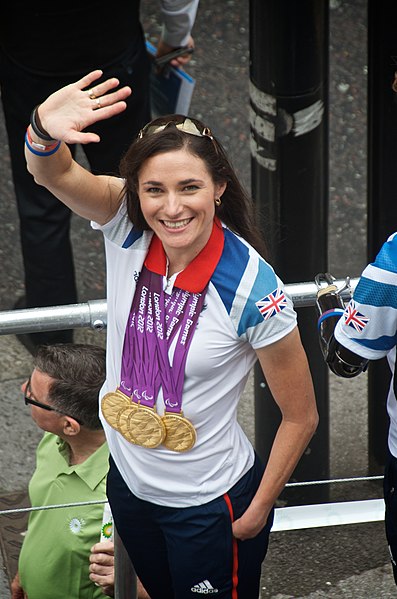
(180, 432)
(111, 404)
(142, 426)
(122, 421)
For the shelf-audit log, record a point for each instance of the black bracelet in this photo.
(36, 128)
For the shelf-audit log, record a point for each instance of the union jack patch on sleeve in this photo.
(354, 318)
(272, 304)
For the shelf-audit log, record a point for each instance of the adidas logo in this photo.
(204, 588)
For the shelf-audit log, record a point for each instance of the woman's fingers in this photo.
(104, 99)
(68, 112)
(89, 79)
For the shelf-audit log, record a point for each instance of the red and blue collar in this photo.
(195, 277)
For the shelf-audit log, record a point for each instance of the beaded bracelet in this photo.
(36, 126)
(41, 149)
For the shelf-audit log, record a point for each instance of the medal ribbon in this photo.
(156, 318)
(153, 323)
(183, 318)
(139, 351)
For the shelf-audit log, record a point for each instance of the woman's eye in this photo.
(190, 188)
(153, 190)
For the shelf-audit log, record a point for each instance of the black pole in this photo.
(289, 147)
(382, 191)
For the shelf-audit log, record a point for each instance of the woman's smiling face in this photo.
(177, 195)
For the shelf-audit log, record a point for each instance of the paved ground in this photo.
(342, 561)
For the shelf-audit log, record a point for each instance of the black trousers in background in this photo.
(390, 495)
(44, 220)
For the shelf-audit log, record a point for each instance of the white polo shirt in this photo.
(222, 353)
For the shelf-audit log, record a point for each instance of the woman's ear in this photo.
(220, 189)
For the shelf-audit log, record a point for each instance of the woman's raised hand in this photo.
(67, 112)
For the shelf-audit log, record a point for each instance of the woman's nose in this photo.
(172, 205)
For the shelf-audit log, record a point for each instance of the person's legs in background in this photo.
(117, 133)
(44, 220)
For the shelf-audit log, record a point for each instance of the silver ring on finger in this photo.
(98, 104)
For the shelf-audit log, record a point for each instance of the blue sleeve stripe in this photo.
(384, 343)
(264, 284)
(374, 293)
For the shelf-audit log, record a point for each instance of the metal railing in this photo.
(93, 314)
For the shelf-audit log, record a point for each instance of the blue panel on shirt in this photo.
(227, 278)
(387, 257)
(132, 236)
(375, 293)
(230, 269)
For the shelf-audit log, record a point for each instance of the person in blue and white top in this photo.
(192, 304)
(369, 329)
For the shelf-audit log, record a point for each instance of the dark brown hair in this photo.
(78, 371)
(237, 209)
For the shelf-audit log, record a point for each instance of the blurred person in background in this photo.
(44, 46)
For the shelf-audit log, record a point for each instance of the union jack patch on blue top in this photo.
(272, 304)
(354, 318)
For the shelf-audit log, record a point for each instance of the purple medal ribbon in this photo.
(152, 325)
(182, 317)
(139, 350)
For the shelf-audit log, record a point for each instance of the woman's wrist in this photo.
(38, 148)
(38, 127)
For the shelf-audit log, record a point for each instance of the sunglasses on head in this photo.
(186, 126)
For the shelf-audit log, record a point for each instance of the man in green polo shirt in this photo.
(71, 467)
